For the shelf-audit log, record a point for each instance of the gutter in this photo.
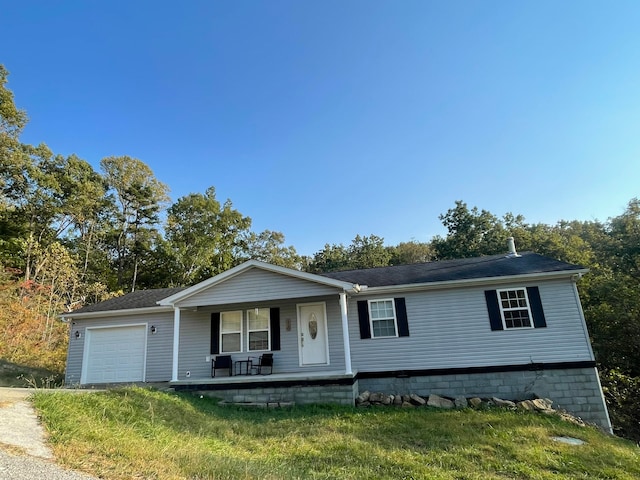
(114, 313)
(471, 282)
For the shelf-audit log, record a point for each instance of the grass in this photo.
(14, 375)
(145, 434)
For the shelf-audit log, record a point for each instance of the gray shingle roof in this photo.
(449, 270)
(137, 299)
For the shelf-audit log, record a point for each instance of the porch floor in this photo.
(337, 376)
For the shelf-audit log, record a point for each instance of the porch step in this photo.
(258, 404)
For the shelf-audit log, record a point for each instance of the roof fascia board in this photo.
(474, 282)
(115, 313)
(184, 294)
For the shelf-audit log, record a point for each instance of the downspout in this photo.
(176, 343)
(345, 333)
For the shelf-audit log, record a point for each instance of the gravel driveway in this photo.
(20, 431)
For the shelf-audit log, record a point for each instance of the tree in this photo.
(624, 248)
(138, 199)
(368, 252)
(611, 298)
(331, 258)
(364, 252)
(411, 252)
(204, 237)
(12, 121)
(268, 246)
(471, 233)
(85, 207)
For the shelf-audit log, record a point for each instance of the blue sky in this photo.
(328, 119)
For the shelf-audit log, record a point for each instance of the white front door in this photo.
(312, 328)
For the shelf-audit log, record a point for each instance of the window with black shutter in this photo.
(384, 318)
(513, 308)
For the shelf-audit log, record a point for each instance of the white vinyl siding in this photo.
(257, 286)
(450, 328)
(158, 350)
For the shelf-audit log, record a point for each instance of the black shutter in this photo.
(215, 333)
(536, 307)
(275, 328)
(401, 315)
(363, 319)
(495, 318)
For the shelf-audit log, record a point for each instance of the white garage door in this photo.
(115, 354)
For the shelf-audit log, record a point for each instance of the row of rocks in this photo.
(543, 405)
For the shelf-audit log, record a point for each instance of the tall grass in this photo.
(144, 434)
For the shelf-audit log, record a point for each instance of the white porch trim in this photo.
(176, 343)
(345, 334)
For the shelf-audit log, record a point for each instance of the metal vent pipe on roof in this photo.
(512, 247)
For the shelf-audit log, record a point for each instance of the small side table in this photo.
(242, 367)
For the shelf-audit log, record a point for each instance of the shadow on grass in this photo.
(24, 376)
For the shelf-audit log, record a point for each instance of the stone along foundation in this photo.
(576, 390)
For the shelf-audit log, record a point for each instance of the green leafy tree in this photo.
(470, 233)
(138, 197)
(411, 252)
(364, 252)
(268, 246)
(368, 252)
(612, 296)
(12, 121)
(331, 258)
(204, 237)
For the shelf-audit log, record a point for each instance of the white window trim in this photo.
(233, 332)
(502, 310)
(395, 317)
(268, 330)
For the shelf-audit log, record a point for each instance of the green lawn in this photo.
(137, 433)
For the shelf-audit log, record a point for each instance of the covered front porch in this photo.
(299, 320)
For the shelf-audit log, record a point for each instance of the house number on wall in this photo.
(313, 326)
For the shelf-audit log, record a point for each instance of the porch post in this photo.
(345, 333)
(176, 343)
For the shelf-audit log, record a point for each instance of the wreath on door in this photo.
(313, 326)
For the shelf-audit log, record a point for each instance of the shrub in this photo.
(622, 394)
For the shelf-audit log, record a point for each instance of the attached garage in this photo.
(115, 354)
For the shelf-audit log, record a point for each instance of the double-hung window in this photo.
(514, 306)
(231, 332)
(258, 320)
(382, 315)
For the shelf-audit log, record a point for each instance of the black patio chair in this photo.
(265, 362)
(220, 362)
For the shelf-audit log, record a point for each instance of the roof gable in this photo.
(184, 297)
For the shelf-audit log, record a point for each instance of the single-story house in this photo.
(506, 325)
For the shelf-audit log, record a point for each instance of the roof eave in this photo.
(114, 313)
(475, 281)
